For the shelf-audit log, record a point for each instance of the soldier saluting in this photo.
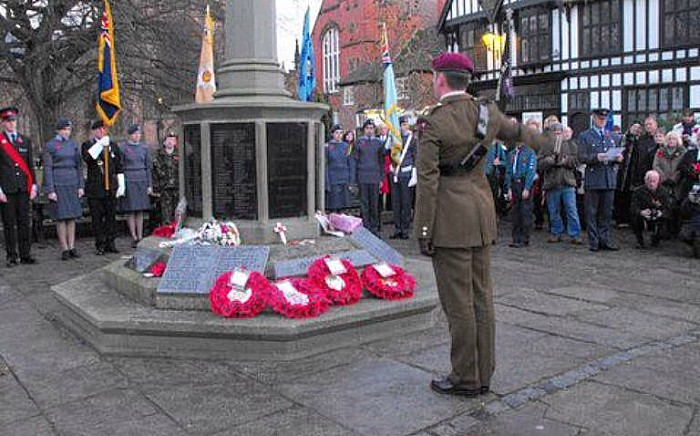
(105, 182)
(17, 188)
(455, 219)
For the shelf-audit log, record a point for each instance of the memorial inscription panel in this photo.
(143, 259)
(193, 169)
(376, 247)
(300, 266)
(193, 269)
(287, 169)
(234, 186)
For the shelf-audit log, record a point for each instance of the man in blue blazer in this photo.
(600, 180)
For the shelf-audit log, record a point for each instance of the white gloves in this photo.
(104, 141)
(33, 193)
(414, 178)
(96, 150)
(121, 189)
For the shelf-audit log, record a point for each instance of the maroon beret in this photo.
(453, 62)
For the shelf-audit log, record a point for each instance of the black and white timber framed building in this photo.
(636, 57)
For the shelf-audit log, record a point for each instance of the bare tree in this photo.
(48, 54)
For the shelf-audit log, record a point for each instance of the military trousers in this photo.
(401, 205)
(102, 214)
(369, 207)
(16, 225)
(463, 277)
(599, 210)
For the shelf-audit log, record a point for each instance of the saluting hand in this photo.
(426, 246)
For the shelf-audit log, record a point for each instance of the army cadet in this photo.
(600, 180)
(166, 183)
(17, 188)
(105, 182)
(369, 158)
(455, 219)
(403, 178)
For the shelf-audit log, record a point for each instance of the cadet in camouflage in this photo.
(165, 178)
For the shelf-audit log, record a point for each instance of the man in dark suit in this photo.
(105, 182)
(17, 188)
(600, 180)
(455, 220)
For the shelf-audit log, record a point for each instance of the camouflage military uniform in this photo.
(166, 183)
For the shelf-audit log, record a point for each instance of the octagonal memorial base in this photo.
(127, 325)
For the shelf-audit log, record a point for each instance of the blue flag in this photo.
(391, 109)
(609, 122)
(306, 67)
(108, 100)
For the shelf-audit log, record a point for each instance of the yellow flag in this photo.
(206, 81)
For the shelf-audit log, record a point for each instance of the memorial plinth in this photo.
(253, 154)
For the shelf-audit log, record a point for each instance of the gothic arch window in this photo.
(331, 60)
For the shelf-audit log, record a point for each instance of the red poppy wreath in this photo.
(158, 269)
(165, 231)
(341, 285)
(388, 282)
(297, 298)
(239, 294)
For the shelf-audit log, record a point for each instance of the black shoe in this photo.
(395, 236)
(27, 260)
(99, 252)
(609, 247)
(484, 390)
(593, 249)
(134, 243)
(73, 253)
(11, 263)
(515, 245)
(445, 386)
(65, 255)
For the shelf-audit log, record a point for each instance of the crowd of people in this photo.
(122, 178)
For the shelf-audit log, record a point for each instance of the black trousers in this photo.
(369, 207)
(16, 224)
(599, 210)
(521, 214)
(103, 212)
(657, 228)
(401, 204)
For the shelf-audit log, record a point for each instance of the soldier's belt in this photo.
(453, 171)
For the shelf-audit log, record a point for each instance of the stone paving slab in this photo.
(36, 426)
(293, 421)
(375, 397)
(640, 323)
(540, 302)
(15, 404)
(614, 411)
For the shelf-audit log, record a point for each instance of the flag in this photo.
(206, 81)
(609, 122)
(507, 89)
(391, 109)
(108, 101)
(306, 67)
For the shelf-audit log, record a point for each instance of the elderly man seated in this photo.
(649, 210)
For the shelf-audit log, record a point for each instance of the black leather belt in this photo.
(452, 171)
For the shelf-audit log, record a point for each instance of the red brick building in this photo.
(349, 71)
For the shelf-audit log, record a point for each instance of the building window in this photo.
(600, 28)
(579, 101)
(331, 61)
(470, 42)
(535, 36)
(680, 21)
(662, 102)
(402, 88)
(348, 96)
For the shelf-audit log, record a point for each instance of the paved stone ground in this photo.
(609, 344)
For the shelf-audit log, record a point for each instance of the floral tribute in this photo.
(341, 285)
(158, 269)
(696, 168)
(388, 282)
(219, 233)
(166, 231)
(297, 298)
(240, 294)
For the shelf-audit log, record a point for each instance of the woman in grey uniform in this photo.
(137, 172)
(63, 185)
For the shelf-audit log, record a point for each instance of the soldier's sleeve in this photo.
(531, 170)
(157, 175)
(149, 168)
(79, 167)
(30, 154)
(585, 153)
(118, 160)
(514, 131)
(428, 158)
(47, 159)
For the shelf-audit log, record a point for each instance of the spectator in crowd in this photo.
(600, 180)
(690, 210)
(64, 185)
(403, 179)
(666, 164)
(689, 171)
(369, 163)
(138, 170)
(649, 210)
(538, 208)
(495, 171)
(688, 129)
(557, 162)
(627, 173)
(520, 176)
(340, 171)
